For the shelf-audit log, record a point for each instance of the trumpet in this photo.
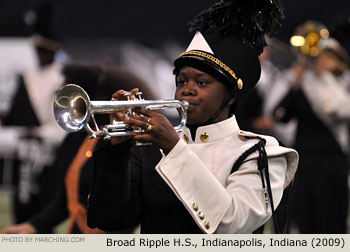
(73, 110)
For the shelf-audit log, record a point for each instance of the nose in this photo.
(190, 89)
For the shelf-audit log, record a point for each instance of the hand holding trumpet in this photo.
(121, 95)
(155, 128)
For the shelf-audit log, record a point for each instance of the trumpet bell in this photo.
(72, 108)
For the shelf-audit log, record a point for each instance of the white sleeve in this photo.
(237, 207)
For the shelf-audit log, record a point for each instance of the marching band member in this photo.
(210, 177)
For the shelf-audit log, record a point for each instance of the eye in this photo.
(180, 82)
(202, 83)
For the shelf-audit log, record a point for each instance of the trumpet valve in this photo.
(139, 95)
(127, 95)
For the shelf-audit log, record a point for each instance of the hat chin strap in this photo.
(214, 117)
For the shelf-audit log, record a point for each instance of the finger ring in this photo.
(149, 119)
(149, 128)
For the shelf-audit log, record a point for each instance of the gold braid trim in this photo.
(217, 62)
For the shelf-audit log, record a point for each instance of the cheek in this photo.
(210, 102)
(177, 93)
(215, 99)
(214, 96)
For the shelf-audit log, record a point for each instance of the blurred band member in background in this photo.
(321, 104)
(31, 109)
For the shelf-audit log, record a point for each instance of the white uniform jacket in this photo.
(199, 174)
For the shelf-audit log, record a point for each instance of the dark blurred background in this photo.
(149, 22)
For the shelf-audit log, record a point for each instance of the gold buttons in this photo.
(186, 138)
(207, 224)
(201, 215)
(204, 136)
(195, 206)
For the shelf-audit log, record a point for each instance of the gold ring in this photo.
(149, 128)
(149, 119)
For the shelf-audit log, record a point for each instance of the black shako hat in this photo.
(45, 36)
(228, 38)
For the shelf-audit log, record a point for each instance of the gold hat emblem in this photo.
(240, 83)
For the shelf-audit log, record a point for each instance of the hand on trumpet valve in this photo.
(122, 95)
(155, 129)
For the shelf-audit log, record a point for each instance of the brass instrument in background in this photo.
(73, 111)
(308, 38)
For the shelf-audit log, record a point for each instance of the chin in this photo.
(194, 123)
(190, 123)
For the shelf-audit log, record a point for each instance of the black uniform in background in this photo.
(320, 202)
(40, 187)
(56, 211)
